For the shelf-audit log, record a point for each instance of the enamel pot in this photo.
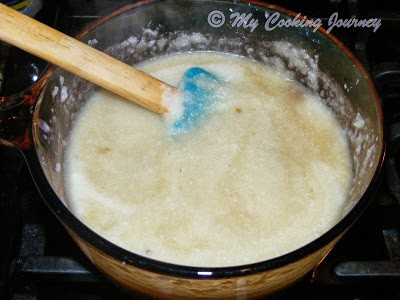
(151, 28)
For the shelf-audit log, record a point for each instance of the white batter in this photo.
(265, 173)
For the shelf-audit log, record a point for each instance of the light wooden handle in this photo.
(78, 58)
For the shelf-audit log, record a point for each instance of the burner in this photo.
(393, 162)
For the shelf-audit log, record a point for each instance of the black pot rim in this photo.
(169, 269)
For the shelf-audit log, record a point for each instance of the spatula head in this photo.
(200, 90)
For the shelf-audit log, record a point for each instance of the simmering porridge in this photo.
(267, 171)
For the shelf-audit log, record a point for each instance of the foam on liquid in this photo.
(267, 171)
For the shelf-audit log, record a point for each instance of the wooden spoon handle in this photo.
(78, 58)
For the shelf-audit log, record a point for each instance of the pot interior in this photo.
(140, 32)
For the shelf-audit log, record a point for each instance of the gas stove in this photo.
(38, 259)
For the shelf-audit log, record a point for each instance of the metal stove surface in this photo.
(38, 259)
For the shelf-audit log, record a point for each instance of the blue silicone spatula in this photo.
(105, 71)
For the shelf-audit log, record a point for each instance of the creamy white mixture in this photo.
(267, 171)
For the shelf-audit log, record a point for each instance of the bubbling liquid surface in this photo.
(267, 171)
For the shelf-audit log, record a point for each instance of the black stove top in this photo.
(38, 259)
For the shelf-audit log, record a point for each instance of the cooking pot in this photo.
(151, 28)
